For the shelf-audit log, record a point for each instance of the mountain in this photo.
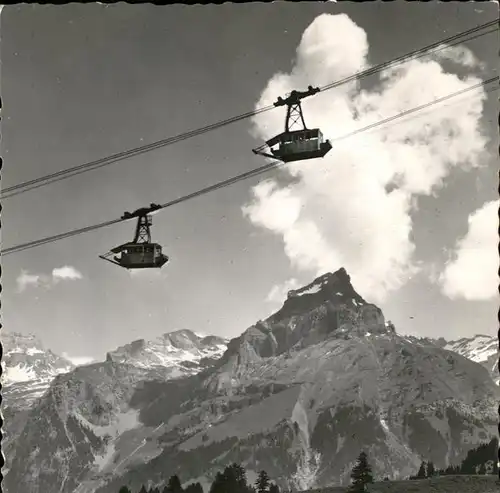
(27, 371)
(298, 394)
(183, 352)
(28, 367)
(31, 370)
(482, 349)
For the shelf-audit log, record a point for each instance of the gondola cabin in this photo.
(139, 256)
(297, 145)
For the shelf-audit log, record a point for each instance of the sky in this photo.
(408, 209)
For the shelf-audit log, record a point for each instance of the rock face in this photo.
(298, 394)
(30, 372)
(28, 368)
(481, 348)
(183, 352)
(27, 371)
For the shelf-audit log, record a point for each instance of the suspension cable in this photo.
(99, 163)
(249, 174)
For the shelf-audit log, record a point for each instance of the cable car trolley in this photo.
(300, 144)
(141, 252)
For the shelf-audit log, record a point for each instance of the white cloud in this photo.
(457, 54)
(78, 360)
(279, 292)
(66, 273)
(343, 210)
(26, 280)
(473, 272)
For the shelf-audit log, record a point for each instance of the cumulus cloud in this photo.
(26, 280)
(472, 273)
(66, 273)
(457, 54)
(352, 208)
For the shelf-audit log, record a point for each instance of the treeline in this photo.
(233, 480)
(480, 460)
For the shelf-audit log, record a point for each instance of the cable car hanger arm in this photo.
(109, 260)
(296, 96)
(262, 153)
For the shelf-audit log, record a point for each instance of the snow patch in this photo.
(31, 351)
(311, 290)
(19, 373)
(478, 348)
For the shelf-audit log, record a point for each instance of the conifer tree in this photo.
(361, 474)
(194, 488)
(422, 471)
(218, 484)
(262, 483)
(124, 489)
(174, 485)
(143, 489)
(232, 480)
(431, 471)
(274, 488)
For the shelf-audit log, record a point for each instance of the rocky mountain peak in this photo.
(183, 350)
(325, 309)
(183, 339)
(327, 283)
(332, 288)
(26, 359)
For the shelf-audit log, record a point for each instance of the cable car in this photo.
(141, 252)
(300, 144)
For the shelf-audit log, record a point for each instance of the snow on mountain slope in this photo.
(482, 349)
(28, 368)
(183, 351)
(90, 404)
(25, 358)
(478, 348)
